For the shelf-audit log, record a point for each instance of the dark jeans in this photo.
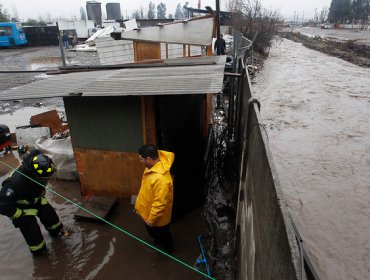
(162, 236)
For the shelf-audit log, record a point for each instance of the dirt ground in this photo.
(349, 50)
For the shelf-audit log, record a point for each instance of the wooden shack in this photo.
(168, 106)
(113, 111)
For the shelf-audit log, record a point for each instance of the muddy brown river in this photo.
(316, 111)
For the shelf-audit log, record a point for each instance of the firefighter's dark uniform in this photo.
(22, 199)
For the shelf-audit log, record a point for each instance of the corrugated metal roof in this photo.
(191, 79)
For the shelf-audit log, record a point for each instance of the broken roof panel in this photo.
(199, 76)
(194, 32)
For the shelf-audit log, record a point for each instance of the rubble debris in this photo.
(49, 119)
(27, 135)
(61, 152)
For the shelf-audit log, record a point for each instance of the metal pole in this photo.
(218, 27)
(60, 34)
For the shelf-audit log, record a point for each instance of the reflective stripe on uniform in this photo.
(23, 201)
(54, 226)
(30, 212)
(35, 201)
(44, 201)
(17, 214)
(37, 247)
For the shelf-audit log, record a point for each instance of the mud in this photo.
(349, 50)
(316, 111)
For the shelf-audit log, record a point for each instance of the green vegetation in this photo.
(161, 11)
(349, 11)
(4, 16)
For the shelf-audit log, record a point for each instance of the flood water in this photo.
(316, 111)
(358, 36)
(97, 250)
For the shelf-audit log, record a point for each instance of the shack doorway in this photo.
(179, 129)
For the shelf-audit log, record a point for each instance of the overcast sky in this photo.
(68, 8)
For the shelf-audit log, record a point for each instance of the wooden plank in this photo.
(147, 51)
(102, 206)
(49, 119)
(149, 119)
(109, 173)
(207, 113)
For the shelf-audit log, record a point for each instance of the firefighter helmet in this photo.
(42, 166)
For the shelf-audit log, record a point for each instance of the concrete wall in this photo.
(266, 245)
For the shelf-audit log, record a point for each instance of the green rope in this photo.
(109, 223)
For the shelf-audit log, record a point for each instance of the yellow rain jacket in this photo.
(155, 198)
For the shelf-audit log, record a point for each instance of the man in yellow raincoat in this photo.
(155, 198)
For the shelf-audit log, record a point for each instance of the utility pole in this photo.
(60, 34)
(218, 27)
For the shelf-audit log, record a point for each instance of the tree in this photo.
(179, 13)
(323, 14)
(141, 12)
(360, 10)
(151, 11)
(161, 10)
(185, 11)
(254, 22)
(31, 22)
(340, 11)
(83, 13)
(4, 16)
(138, 14)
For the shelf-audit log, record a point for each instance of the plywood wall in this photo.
(109, 173)
(147, 51)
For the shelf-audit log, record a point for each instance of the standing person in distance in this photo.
(223, 45)
(155, 199)
(22, 199)
(65, 40)
(71, 40)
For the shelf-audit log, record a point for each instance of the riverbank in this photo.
(349, 50)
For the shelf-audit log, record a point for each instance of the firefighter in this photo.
(22, 199)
